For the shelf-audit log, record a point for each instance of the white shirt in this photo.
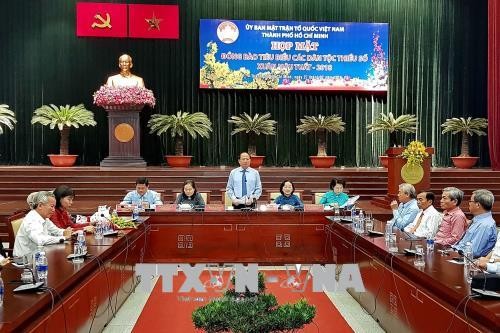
(495, 254)
(35, 230)
(429, 225)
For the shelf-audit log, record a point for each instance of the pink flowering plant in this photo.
(107, 96)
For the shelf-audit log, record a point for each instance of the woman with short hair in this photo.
(61, 218)
(190, 195)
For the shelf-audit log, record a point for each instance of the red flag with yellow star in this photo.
(153, 21)
(101, 19)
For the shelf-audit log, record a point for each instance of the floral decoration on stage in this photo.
(412, 172)
(415, 153)
(130, 96)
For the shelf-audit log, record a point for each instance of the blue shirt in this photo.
(292, 200)
(331, 197)
(234, 188)
(133, 197)
(482, 233)
(405, 214)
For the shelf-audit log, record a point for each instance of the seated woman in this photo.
(287, 197)
(61, 217)
(336, 195)
(189, 195)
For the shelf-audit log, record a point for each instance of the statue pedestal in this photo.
(394, 178)
(124, 133)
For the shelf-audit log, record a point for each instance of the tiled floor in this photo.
(129, 312)
(356, 317)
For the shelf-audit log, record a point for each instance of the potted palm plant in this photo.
(321, 125)
(7, 117)
(406, 123)
(469, 126)
(253, 126)
(178, 124)
(63, 117)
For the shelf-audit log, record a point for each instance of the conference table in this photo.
(404, 298)
(227, 236)
(400, 296)
(79, 297)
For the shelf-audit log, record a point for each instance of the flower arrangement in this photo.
(415, 153)
(107, 96)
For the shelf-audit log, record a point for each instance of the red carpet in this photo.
(171, 312)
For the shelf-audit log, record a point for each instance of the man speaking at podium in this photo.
(243, 185)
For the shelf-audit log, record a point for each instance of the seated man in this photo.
(454, 222)
(482, 232)
(243, 185)
(142, 194)
(36, 228)
(427, 222)
(405, 213)
(492, 261)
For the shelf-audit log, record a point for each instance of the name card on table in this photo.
(313, 208)
(166, 208)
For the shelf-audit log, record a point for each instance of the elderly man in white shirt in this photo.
(428, 219)
(36, 228)
(492, 261)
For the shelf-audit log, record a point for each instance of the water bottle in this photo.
(430, 245)
(82, 241)
(36, 255)
(135, 214)
(2, 290)
(79, 248)
(98, 230)
(468, 269)
(42, 266)
(361, 222)
(354, 219)
(388, 230)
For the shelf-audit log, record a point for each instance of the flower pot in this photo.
(178, 161)
(323, 161)
(464, 162)
(62, 160)
(256, 161)
(384, 160)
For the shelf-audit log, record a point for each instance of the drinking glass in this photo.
(369, 222)
(392, 244)
(419, 256)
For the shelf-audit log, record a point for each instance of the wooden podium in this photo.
(124, 133)
(394, 178)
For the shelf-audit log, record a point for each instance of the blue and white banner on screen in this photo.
(287, 55)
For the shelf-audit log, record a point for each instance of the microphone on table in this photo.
(412, 238)
(483, 283)
(34, 286)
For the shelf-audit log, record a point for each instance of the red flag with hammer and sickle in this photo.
(101, 19)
